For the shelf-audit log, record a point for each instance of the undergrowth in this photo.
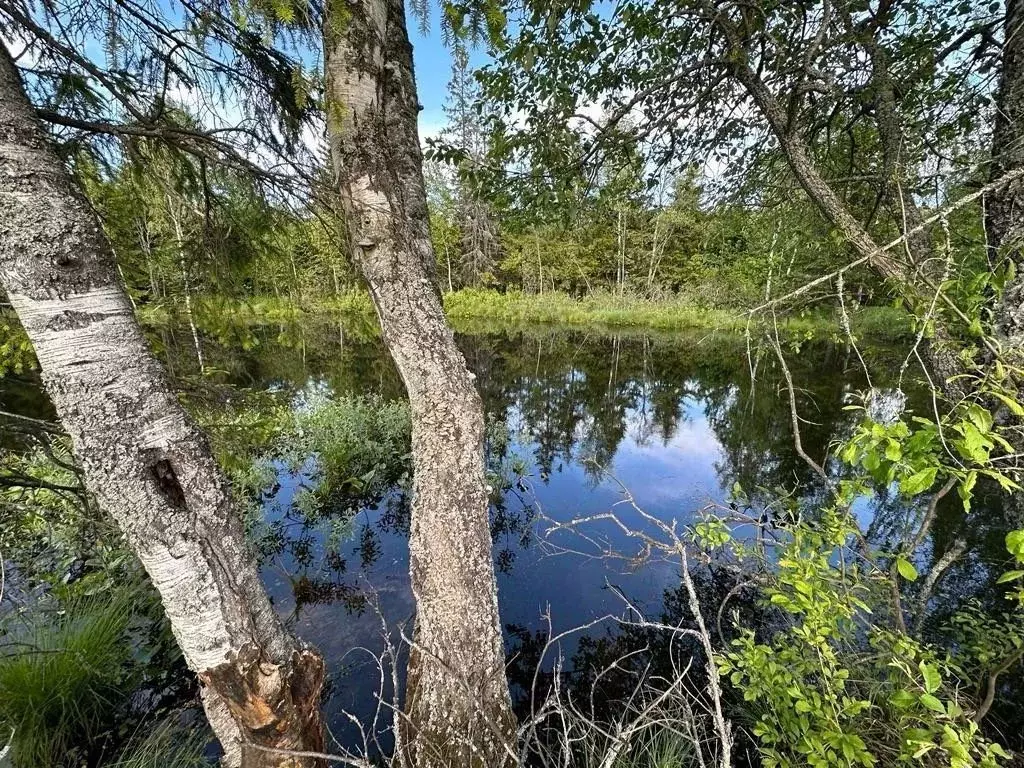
(64, 679)
(169, 744)
(468, 306)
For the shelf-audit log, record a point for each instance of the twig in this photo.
(794, 417)
(993, 678)
(944, 211)
(928, 587)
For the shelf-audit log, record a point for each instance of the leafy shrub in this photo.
(834, 686)
(361, 444)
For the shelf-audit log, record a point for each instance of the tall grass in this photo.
(595, 309)
(662, 749)
(469, 307)
(610, 310)
(63, 680)
(168, 745)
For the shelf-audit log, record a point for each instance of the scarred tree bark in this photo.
(143, 458)
(457, 704)
(1004, 221)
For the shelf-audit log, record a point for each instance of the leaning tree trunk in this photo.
(143, 458)
(457, 704)
(1004, 221)
(941, 350)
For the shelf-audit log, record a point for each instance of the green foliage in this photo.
(16, 352)
(831, 685)
(1015, 545)
(89, 633)
(64, 679)
(987, 641)
(916, 452)
(660, 749)
(608, 310)
(179, 228)
(48, 526)
(361, 444)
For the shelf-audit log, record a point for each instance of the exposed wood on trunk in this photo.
(1004, 221)
(142, 456)
(457, 704)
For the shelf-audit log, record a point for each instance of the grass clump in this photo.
(169, 745)
(64, 680)
(661, 749)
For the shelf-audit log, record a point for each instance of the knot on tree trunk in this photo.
(274, 704)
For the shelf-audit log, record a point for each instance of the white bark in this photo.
(143, 458)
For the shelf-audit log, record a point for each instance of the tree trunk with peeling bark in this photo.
(142, 456)
(457, 703)
(1004, 220)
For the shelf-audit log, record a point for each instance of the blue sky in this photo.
(433, 64)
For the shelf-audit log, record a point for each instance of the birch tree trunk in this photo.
(457, 704)
(175, 214)
(143, 458)
(1004, 220)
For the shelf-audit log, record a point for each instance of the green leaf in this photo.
(1015, 408)
(966, 488)
(919, 481)
(980, 416)
(906, 569)
(1015, 543)
(902, 699)
(997, 749)
(893, 452)
(932, 678)
(1010, 576)
(932, 703)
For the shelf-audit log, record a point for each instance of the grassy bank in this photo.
(468, 309)
(613, 311)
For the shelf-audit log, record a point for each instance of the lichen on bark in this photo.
(457, 709)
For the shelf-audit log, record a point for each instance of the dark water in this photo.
(677, 420)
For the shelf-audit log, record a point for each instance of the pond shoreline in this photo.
(468, 308)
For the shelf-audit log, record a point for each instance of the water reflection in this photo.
(677, 419)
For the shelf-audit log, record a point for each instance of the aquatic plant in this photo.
(361, 443)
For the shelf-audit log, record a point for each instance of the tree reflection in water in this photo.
(677, 418)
